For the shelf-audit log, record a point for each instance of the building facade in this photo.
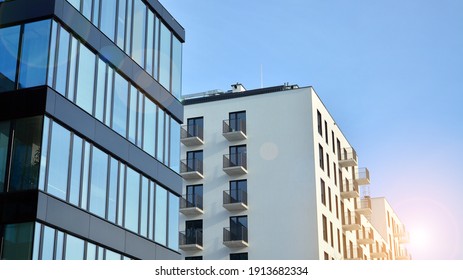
(89, 129)
(269, 175)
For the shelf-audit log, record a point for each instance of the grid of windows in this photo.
(85, 79)
(138, 31)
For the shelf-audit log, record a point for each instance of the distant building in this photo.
(89, 129)
(269, 175)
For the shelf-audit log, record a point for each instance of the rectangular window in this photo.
(336, 201)
(120, 105)
(194, 196)
(321, 155)
(173, 222)
(328, 165)
(338, 144)
(326, 256)
(165, 57)
(150, 43)
(326, 132)
(238, 191)
(160, 133)
(138, 33)
(239, 228)
(239, 256)
(332, 142)
(194, 161)
(121, 9)
(195, 127)
(238, 155)
(334, 174)
(174, 145)
(9, 47)
(339, 241)
(319, 123)
(62, 62)
(4, 144)
(17, 241)
(74, 248)
(194, 232)
(161, 216)
(237, 121)
(176, 67)
(112, 190)
(58, 161)
(325, 228)
(108, 17)
(323, 191)
(331, 235)
(85, 79)
(149, 132)
(329, 199)
(132, 200)
(98, 182)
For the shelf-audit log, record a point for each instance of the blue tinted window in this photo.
(59, 245)
(144, 207)
(161, 216)
(37, 236)
(4, 140)
(120, 104)
(174, 145)
(138, 35)
(17, 241)
(161, 130)
(109, 96)
(121, 196)
(173, 221)
(91, 251)
(164, 57)
(98, 182)
(128, 28)
(112, 190)
(62, 63)
(133, 114)
(149, 131)
(152, 188)
(87, 8)
(72, 69)
(48, 243)
(74, 248)
(44, 153)
(76, 176)
(132, 200)
(100, 90)
(150, 44)
(51, 57)
(176, 67)
(110, 255)
(86, 167)
(34, 54)
(85, 79)
(75, 3)
(59, 161)
(121, 24)
(108, 17)
(9, 44)
(25, 162)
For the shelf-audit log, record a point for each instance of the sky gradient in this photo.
(390, 72)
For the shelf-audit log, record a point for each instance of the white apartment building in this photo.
(269, 175)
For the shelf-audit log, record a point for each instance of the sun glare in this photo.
(420, 237)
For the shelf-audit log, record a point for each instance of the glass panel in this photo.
(100, 90)
(173, 221)
(176, 67)
(164, 57)
(98, 182)
(112, 190)
(156, 48)
(91, 251)
(151, 211)
(48, 243)
(51, 57)
(4, 140)
(144, 208)
(166, 139)
(109, 96)
(140, 116)
(138, 35)
(72, 69)
(133, 114)
(121, 24)
(100, 252)
(74, 186)
(120, 105)
(59, 161)
(121, 195)
(87, 8)
(37, 236)
(132, 200)
(62, 63)
(110, 255)
(9, 44)
(26, 154)
(59, 245)
(108, 18)
(161, 215)
(34, 54)
(161, 130)
(17, 241)
(149, 132)
(96, 11)
(86, 167)
(74, 248)
(85, 79)
(128, 28)
(75, 3)
(150, 43)
(174, 145)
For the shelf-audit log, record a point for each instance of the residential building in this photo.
(89, 129)
(270, 175)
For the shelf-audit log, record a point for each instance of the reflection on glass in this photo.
(85, 79)
(59, 161)
(121, 87)
(74, 248)
(17, 241)
(174, 145)
(144, 207)
(74, 184)
(9, 44)
(91, 251)
(59, 245)
(150, 43)
(25, 162)
(36, 245)
(72, 69)
(112, 190)
(86, 167)
(100, 90)
(98, 182)
(173, 221)
(149, 132)
(121, 24)
(121, 197)
(51, 56)
(131, 200)
(161, 216)
(62, 63)
(110, 255)
(108, 18)
(138, 35)
(128, 28)
(48, 243)
(164, 57)
(109, 96)
(4, 140)
(152, 188)
(160, 141)
(87, 8)
(44, 153)
(34, 54)
(133, 114)
(176, 67)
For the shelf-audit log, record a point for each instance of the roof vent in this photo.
(238, 87)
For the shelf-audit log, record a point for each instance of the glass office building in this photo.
(89, 129)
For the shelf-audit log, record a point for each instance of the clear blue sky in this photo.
(390, 72)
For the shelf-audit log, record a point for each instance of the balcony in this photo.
(191, 205)
(363, 176)
(351, 223)
(192, 135)
(403, 256)
(191, 240)
(364, 207)
(238, 201)
(402, 234)
(350, 190)
(235, 237)
(365, 238)
(191, 169)
(234, 130)
(354, 253)
(378, 255)
(235, 164)
(348, 158)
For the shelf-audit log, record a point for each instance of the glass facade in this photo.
(141, 34)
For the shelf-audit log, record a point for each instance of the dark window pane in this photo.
(59, 161)
(25, 163)
(17, 241)
(239, 256)
(98, 182)
(9, 43)
(34, 54)
(4, 140)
